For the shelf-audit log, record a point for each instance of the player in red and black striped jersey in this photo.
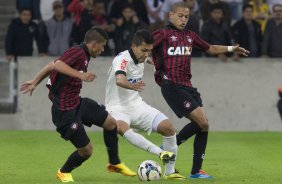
(172, 58)
(70, 112)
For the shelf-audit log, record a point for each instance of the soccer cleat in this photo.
(120, 168)
(174, 176)
(167, 156)
(64, 177)
(201, 175)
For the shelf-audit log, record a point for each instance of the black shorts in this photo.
(181, 99)
(70, 123)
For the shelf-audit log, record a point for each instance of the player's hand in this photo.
(87, 77)
(28, 87)
(240, 50)
(138, 86)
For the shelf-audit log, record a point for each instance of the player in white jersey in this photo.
(126, 105)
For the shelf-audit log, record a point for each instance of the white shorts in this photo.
(142, 117)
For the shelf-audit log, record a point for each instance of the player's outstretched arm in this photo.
(123, 82)
(220, 49)
(60, 66)
(29, 86)
(63, 68)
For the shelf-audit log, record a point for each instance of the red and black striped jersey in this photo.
(172, 54)
(64, 90)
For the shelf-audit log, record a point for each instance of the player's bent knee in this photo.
(86, 152)
(119, 131)
(166, 129)
(110, 123)
(122, 127)
(205, 126)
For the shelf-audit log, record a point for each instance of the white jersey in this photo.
(118, 97)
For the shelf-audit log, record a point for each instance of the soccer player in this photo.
(70, 112)
(126, 105)
(172, 58)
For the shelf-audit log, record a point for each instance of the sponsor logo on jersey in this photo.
(173, 38)
(189, 39)
(123, 64)
(173, 51)
(134, 80)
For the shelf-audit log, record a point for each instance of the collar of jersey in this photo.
(170, 25)
(133, 56)
(84, 47)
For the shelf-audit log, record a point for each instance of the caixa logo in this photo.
(173, 51)
(134, 80)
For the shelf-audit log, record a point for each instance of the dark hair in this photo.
(178, 5)
(247, 6)
(276, 5)
(127, 5)
(142, 35)
(95, 34)
(216, 6)
(25, 9)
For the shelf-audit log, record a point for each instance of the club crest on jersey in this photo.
(173, 38)
(173, 51)
(123, 64)
(189, 39)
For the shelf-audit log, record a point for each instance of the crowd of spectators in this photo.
(56, 25)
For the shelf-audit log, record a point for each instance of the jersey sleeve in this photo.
(119, 65)
(72, 56)
(158, 37)
(158, 40)
(199, 43)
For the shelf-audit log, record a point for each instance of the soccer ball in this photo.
(149, 170)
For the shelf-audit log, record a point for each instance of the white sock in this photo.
(141, 142)
(169, 144)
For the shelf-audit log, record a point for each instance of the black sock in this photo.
(187, 131)
(73, 162)
(111, 141)
(200, 144)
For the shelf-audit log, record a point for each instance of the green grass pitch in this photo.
(33, 157)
